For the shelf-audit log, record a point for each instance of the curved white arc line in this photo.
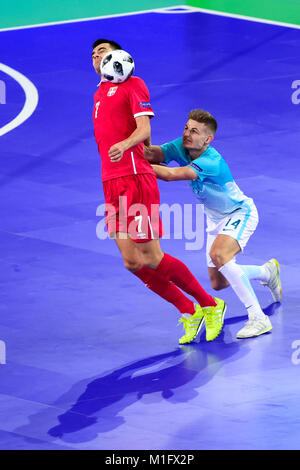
(31, 99)
(176, 12)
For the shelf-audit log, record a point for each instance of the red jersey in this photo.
(115, 109)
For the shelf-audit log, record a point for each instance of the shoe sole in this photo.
(223, 316)
(197, 332)
(258, 334)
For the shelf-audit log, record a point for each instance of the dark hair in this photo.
(204, 117)
(113, 44)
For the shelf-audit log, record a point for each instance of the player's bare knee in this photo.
(132, 265)
(217, 258)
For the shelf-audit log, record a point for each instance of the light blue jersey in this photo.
(214, 185)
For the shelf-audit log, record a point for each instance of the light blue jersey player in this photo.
(231, 216)
(213, 185)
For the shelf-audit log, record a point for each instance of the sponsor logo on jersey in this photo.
(112, 91)
(145, 104)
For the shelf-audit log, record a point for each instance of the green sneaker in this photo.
(214, 319)
(192, 325)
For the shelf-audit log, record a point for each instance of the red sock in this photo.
(165, 289)
(174, 270)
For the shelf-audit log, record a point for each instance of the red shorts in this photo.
(132, 207)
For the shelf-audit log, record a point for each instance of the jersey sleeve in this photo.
(172, 151)
(139, 98)
(205, 167)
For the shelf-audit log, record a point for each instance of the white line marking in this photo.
(79, 20)
(163, 11)
(179, 10)
(31, 99)
(246, 18)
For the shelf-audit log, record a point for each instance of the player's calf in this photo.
(131, 257)
(217, 285)
(151, 253)
(217, 280)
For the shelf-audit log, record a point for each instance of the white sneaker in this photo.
(274, 283)
(255, 327)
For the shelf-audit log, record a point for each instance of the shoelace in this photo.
(209, 320)
(182, 320)
(187, 325)
(250, 323)
(210, 317)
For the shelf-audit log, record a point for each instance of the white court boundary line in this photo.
(246, 18)
(79, 20)
(31, 99)
(166, 10)
(182, 9)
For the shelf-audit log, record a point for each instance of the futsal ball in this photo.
(117, 66)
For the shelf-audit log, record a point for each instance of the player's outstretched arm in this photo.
(154, 153)
(174, 174)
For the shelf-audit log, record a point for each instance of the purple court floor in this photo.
(91, 358)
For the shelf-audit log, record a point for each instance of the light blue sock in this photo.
(256, 272)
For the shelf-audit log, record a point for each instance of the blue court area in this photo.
(92, 359)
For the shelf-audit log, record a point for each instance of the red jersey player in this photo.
(121, 117)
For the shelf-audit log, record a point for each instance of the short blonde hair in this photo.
(204, 117)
